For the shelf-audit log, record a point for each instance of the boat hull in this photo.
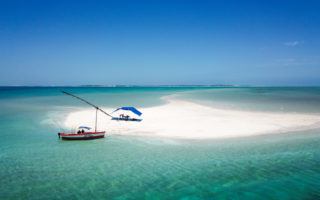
(82, 136)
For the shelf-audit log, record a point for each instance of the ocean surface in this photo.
(35, 164)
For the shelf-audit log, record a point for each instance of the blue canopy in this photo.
(132, 109)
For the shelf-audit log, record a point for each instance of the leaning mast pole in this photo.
(87, 102)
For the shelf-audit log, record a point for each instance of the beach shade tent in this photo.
(128, 112)
(132, 109)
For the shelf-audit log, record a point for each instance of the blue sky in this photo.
(160, 42)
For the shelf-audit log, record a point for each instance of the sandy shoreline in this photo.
(186, 119)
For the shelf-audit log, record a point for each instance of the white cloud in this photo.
(312, 61)
(293, 43)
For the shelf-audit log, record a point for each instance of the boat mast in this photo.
(95, 127)
(87, 102)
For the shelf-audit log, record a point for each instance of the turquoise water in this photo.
(35, 164)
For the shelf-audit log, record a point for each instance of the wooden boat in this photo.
(84, 135)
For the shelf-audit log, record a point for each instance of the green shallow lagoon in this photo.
(35, 164)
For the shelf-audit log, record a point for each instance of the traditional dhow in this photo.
(84, 133)
(82, 136)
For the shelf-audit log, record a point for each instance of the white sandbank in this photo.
(186, 119)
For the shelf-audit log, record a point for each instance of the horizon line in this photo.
(160, 85)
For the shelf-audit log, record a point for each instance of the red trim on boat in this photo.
(77, 134)
(82, 136)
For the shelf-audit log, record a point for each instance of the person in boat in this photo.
(79, 132)
(82, 131)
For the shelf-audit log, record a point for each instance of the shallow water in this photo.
(35, 164)
(279, 99)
